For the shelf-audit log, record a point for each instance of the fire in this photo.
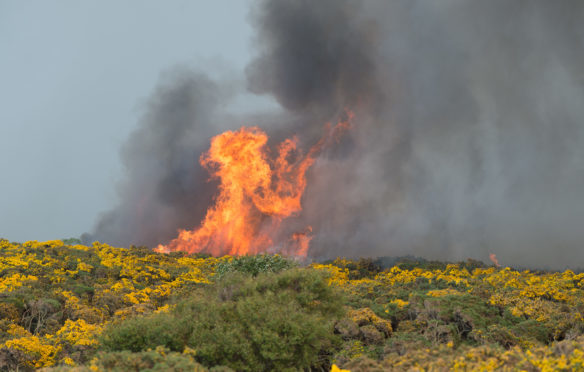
(256, 193)
(301, 242)
(494, 259)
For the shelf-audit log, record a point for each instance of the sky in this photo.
(74, 78)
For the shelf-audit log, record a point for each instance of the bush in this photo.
(152, 360)
(254, 265)
(359, 269)
(272, 322)
(158, 360)
(141, 333)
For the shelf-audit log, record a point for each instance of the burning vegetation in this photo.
(257, 192)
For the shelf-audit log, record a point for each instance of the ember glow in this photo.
(257, 192)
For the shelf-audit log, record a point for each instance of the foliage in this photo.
(56, 298)
(68, 306)
(272, 322)
(159, 359)
(254, 265)
(460, 308)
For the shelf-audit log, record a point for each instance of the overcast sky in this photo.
(73, 77)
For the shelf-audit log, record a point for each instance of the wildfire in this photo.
(494, 259)
(256, 193)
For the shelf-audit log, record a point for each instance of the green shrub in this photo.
(271, 322)
(152, 360)
(141, 333)
(82, 290)
(254, 265)
(158, 360)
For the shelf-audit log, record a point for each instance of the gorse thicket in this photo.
(268, 323)
(67, 306)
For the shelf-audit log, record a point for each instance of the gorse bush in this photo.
(141, 333)
(254, 265)
(271, 322)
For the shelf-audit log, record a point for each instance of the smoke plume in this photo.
(468, 135)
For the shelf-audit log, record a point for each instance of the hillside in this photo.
(74, 307)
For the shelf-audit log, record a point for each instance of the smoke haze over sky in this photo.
(468, 138)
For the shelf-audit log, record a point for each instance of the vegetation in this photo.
(268, 323)
(69, 306)
(254, 265)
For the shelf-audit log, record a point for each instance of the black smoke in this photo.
(468, 137)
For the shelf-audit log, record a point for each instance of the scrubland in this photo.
(69, 307)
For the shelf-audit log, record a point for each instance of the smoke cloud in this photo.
(165, 187)
(468, 134)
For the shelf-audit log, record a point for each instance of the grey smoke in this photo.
(468, 137)
(164, 185)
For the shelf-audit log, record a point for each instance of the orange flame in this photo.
(493, 258)
(301, 242)
(255, 193)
